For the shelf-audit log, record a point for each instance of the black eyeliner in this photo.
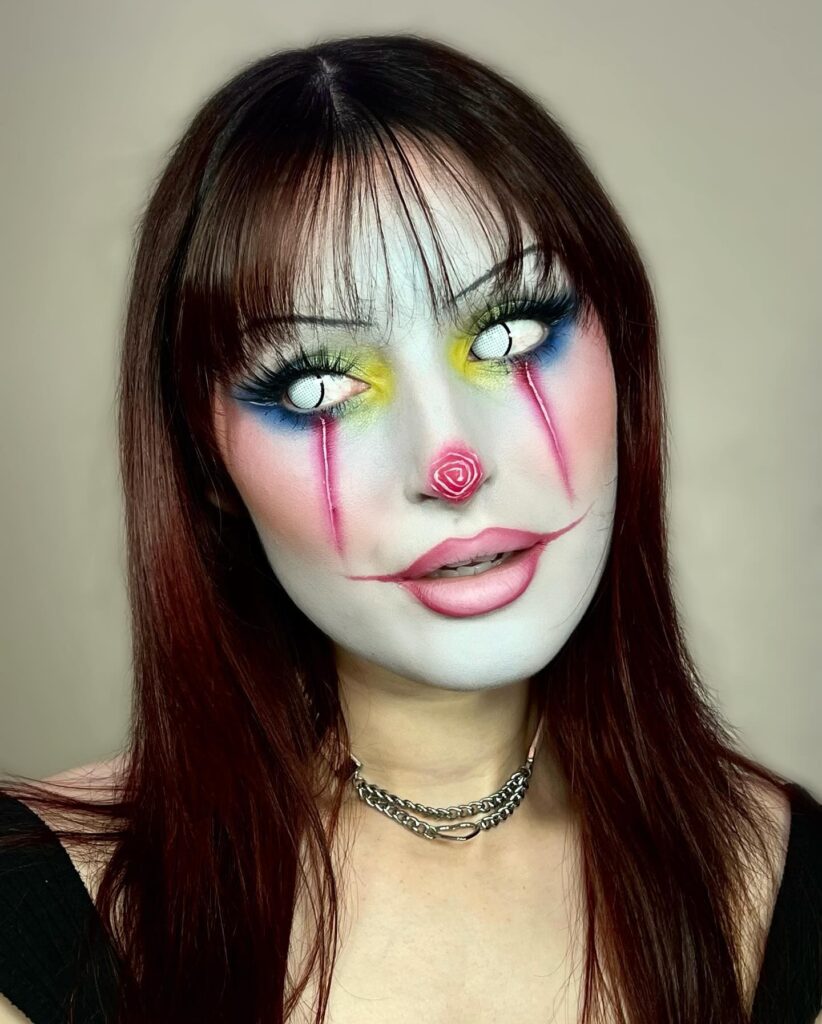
(268, 384)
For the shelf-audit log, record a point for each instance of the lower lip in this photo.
(461, 596)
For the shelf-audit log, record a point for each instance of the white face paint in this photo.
(437, 442)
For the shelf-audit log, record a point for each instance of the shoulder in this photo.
(788, 955)
(10, 1014)
(96, 780)
(777, 806)
(44, 908)
(92, 781)
(764, 877)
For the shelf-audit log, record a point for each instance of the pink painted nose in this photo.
(455, 474)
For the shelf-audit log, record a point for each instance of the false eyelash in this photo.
(267, 385)
(547, 304)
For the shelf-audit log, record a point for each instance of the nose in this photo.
(446, 442)
(455, 473)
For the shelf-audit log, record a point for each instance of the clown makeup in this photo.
(370, 453)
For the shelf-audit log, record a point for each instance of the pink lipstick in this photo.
(513, 556)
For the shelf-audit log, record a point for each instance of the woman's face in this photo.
(501, 435)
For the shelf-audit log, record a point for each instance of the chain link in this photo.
(500, 804)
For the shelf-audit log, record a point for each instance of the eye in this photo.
(509, 339)
(305, 385)
(318, 391)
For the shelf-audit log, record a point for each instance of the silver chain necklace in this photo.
(500, 804)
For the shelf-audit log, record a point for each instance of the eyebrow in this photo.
(326, 321)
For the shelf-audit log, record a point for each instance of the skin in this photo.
(435, 705)
(413, 890)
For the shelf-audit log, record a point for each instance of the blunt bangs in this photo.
(275, 204)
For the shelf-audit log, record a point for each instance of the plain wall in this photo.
(702, 121)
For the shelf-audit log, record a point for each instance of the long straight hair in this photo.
(217, 826)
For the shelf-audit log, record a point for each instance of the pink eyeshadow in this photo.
(534, 392)
(325, 458)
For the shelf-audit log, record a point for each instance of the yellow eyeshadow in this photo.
(376, 372)
(485, 373)
(379, 375)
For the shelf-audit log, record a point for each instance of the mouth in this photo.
(470, 556)
(470, 567)
(469, 576)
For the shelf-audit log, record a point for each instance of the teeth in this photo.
(476, 560)
(469, 568)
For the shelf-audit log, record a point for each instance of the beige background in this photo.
(702, 120)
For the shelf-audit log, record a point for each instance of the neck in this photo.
(443, 747)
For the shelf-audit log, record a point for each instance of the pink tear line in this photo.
(326, 427)
(533, 393)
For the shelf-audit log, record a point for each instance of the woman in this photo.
(412, 700)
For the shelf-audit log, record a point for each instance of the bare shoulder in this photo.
(765, 878)
(9, 1014)
(96, 780)
(98, 777)
(777, 808)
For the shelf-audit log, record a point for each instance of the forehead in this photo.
(395, 240)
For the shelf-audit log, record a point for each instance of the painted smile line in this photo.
(463, 595)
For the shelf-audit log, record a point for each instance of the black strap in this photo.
(40, 937)
(789, 990)
(45, 911)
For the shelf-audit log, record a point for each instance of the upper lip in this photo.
(494, 540)
(488, 542)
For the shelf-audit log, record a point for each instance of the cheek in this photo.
(283, 493)
(592, 404)
(299, 488)
(290, 483)
(574, 409)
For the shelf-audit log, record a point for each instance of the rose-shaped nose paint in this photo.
(455, 474)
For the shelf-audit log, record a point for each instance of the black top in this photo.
(44, 907)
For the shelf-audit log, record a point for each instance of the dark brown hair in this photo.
(218, 825)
